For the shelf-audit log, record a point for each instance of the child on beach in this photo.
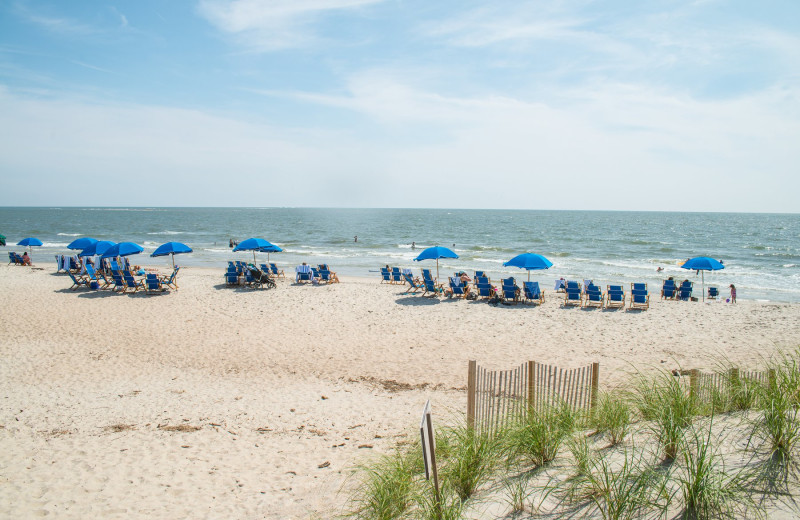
(733, 293)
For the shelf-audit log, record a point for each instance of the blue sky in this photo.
(660, 105)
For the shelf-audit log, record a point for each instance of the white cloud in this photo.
(266, 25)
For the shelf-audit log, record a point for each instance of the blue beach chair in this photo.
(432, 287)
(119, 282)
(713, 293)
(593, 297)
(640, 299)
(153, 284)
(78, 281)
(668, 290)
(572, 295)
(386, 275)
(413, 285)
(510, 290)
(397, 275)
(615, 296)
(457, 288)
(131, 282)
(275, 271)
(171, 281)
(532, 292)
(231, 276)
(685, 290)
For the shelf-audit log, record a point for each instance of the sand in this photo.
(217, 402)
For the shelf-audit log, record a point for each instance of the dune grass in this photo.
(668, 407)
(612, 417)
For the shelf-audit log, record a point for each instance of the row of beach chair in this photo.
(614, 297)
(481, 288)
(123, 281)
(670, 291)
(252, 277)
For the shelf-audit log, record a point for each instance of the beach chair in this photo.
(639, 286)
(510, 290)
(457, 288)
(275, 271)
(432, 287)
(326, 275)
(231, 276)
(131, 282)
(119, 282)
(593, 296)
(572, 295)
(574, 286)
(171, 281)
(12, 257)
(484, 288)
(639, 298)
(479, 274)
(386, 275)
(532, 292)
(94, 280)
(413, 285)
(397, 275)
(668, 290)
(713, 293)
(615, 296)
(685, 290)
(18, 259)
(561, 285)
(78, 281)
(152, 284)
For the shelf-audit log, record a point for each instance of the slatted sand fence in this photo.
(707, 386)
(498, 396)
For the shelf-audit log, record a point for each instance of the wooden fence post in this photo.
(771, 377)
(694, 383)
(734, 378)
(595, 384)
(471, 391)
(531, 385)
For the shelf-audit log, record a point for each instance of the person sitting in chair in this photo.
(301, 269)
(26, 260)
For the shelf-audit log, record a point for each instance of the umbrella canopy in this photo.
(436, 253)
(257, 244)
(30, 241)
(703, 263)
(529, 262)
(2, 240)
(122, 249)
(98, 248)
(82, 243)
(172, 249)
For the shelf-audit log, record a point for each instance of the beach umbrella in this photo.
(81, 243)
(29, 242)
(271, 249)
(2, 240)
(435, 252)
(703, 264)
(122, 249)
(172, 249)
(255, 244)
(529, 262)
(98, 248)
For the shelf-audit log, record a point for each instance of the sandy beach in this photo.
(218, 402)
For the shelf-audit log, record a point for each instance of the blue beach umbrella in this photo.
(435, 252)
(703, 264)
(81, 243)
(529, 262)
(257, 244)
(172, 249)
(98, 248)
(122, 249)
(30, 241)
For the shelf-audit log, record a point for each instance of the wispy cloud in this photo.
(267, 25)
(92, 67)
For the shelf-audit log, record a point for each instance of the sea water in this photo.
(761, 252)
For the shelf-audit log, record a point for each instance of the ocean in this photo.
(761, 252)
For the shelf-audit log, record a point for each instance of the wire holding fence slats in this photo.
(495, 398)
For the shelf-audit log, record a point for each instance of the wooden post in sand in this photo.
(771, 377)
(733, 378)
(531, 385)
(694, 383)
(472, 373)
(595, 384)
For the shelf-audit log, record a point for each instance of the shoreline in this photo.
(227, 402)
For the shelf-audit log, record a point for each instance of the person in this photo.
(26, 260)
(659, 269)
(413, 245)
(301, 269)
(230, 243)
(733, 293)
(355, 238)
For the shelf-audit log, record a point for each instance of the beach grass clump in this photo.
(707, 488)
(612, 417)
(517, 492)
(448, 506)
(669, 409)
(582, 453)
(536, 437)
(468, 458)
(386, 489)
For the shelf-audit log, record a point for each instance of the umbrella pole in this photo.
(437, 269)
(703, 278)
(173, 260)
(254, 257)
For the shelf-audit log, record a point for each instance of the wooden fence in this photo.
(704, 385)
(495, 397)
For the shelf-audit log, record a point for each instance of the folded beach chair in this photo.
(457, 288)
(639, 298)
(532, 292)
(397, 275)
(572, 295)
(386, 275)
(713, 293)
(668, 290)
(171, 281)
(413, 285)
(685, 290)
(593, 296)
(78, 281)
(153, 284)
(510, 290)
(131, 282)
(615, 296)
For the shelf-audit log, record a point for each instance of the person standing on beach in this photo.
(733, 293)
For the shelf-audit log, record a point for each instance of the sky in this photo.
(582, 105)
